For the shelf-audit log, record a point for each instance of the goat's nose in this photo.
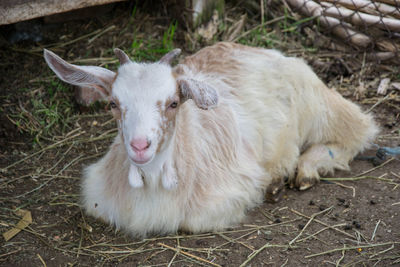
(140, 144)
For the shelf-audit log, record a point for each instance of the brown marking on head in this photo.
(168, 111)
(115, 109)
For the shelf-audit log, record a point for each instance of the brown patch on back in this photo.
(222, 58)
(218, 58)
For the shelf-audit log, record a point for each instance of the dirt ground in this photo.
(46, 139)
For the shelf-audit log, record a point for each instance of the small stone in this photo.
(268, 238)
(348, 227)
(322, 207)
(357, 224)
(268, 235)
(341, 200)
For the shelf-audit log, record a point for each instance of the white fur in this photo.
(256, 116)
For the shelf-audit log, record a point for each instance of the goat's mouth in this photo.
(140, 159)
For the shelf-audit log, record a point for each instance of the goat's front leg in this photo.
(320, 159)
(275, 190)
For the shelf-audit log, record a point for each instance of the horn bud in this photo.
(167, 58)
(122, 57)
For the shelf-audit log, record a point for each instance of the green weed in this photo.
(45, 113)
(152, 49)
(261, 37)
(168, 37)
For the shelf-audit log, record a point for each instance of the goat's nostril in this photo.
(140, 144)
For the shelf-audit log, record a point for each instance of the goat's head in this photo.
(144, 98)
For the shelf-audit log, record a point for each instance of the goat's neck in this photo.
(161, 168)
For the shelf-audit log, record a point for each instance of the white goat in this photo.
(201, 142)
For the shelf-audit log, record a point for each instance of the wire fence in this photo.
(370, 26)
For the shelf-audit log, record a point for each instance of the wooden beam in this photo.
(12, 11)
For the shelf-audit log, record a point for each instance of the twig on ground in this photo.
(10, 253)
(375, 168)
(321, 222)
(375, 229)
(41, 260)
(230, 240)
(319, 231)
(188, 254)
(268, 225)
(254, 253)
(347, 186)
(380, 101)
(381, 252)
(62, 143)
(40, 151)
(172, 259)
(341, 258)
(284, 264)
(308, 223)
(356, 178)
(112, 27)
(349, 248)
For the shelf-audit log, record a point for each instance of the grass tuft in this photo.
(46, 111)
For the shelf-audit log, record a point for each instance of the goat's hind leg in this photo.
(282, 168)
(320, 159)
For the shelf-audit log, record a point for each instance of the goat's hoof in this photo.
(275, 191)
(306, 182)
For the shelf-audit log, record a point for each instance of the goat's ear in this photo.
(98, 78)
(203, 94)
(167, 58)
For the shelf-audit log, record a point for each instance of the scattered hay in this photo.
(42, 175)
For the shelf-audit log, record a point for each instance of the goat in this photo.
(202, 142)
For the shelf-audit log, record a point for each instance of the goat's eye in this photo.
(113, 105)
(173, 104)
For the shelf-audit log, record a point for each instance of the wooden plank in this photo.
(12, 11)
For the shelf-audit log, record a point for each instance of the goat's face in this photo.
(144, 100)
